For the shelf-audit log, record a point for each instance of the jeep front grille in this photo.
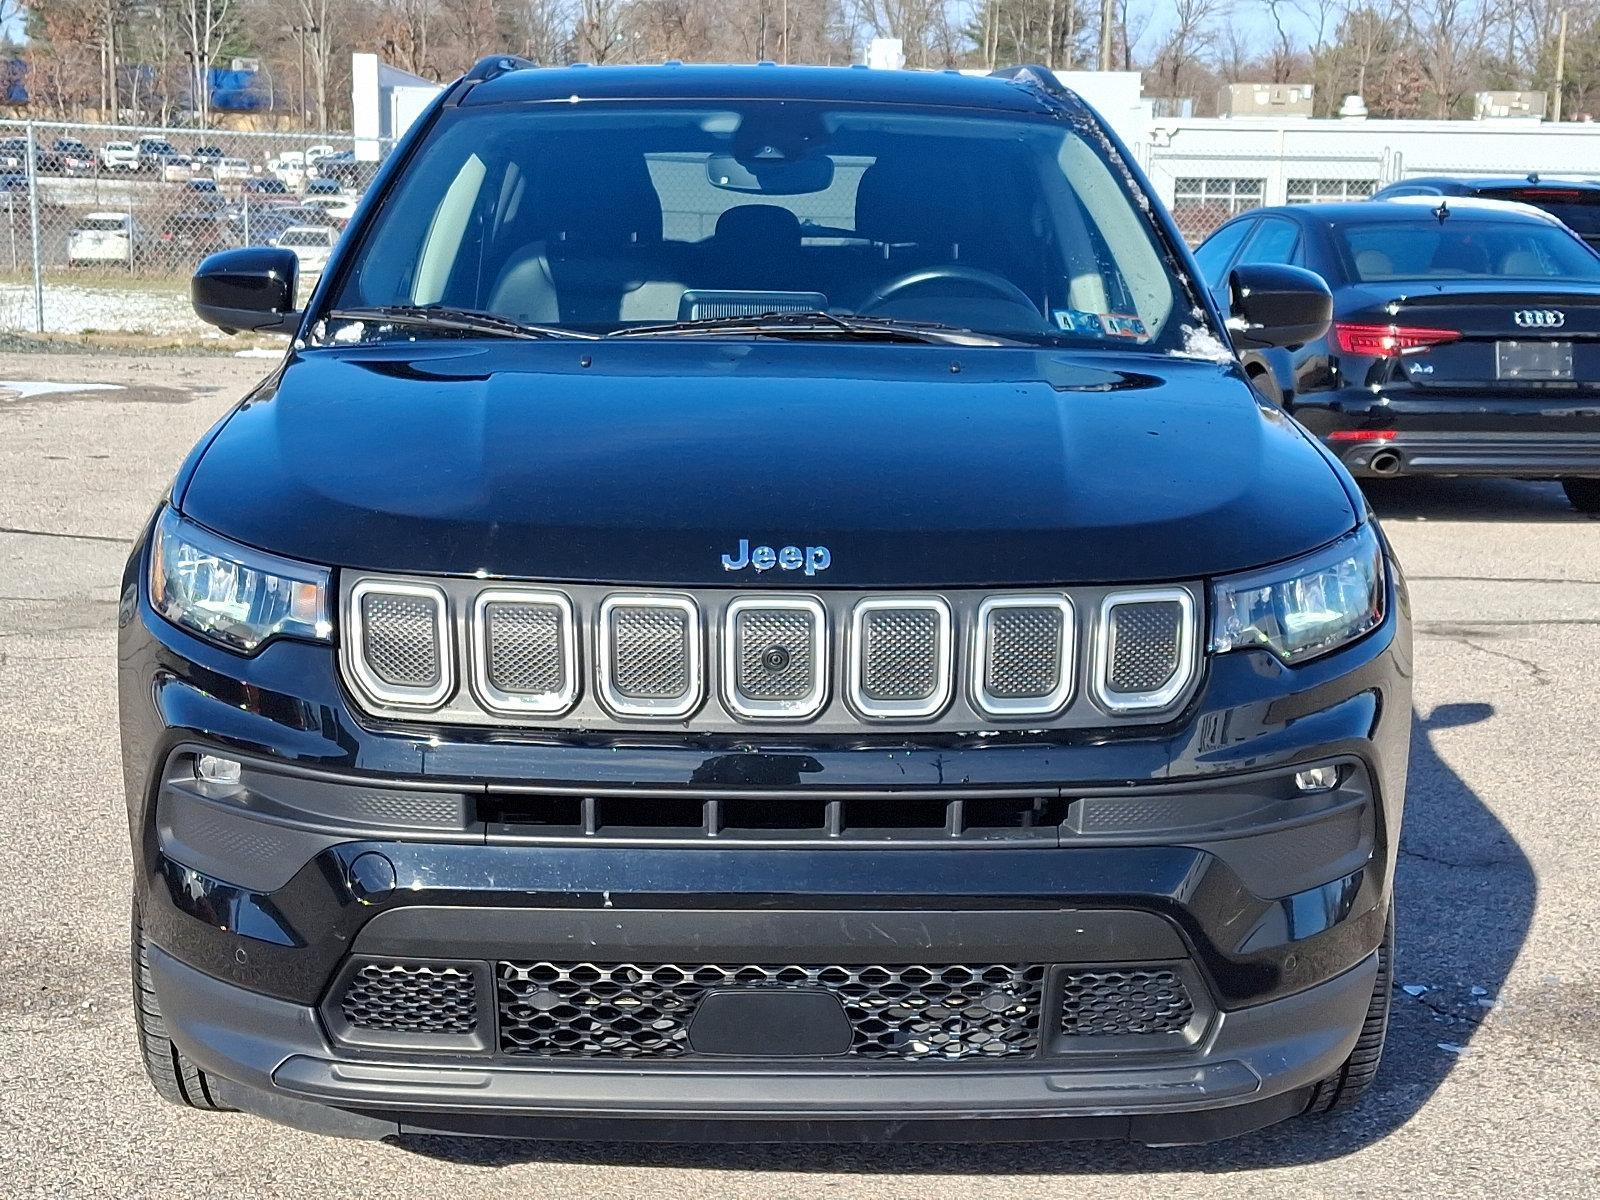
(411, 997)
(946, 1012)
(586, 657)
(1125, 1002)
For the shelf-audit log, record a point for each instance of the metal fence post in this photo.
(33, 222)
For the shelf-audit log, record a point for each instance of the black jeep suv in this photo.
(760, 604)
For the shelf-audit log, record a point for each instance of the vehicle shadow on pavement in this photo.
(1469, 498)
(1466, 896)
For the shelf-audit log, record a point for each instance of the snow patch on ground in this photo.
(75, 308)
(23, 389)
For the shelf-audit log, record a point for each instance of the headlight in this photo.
(1308, 607)
(231, 595)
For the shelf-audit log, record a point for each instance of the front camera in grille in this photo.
(938, 1012)
(1025, 655)
(524, 650)
(900, 659)
(650, 655)
(397, 638)
(1144, 649)
(775, 656)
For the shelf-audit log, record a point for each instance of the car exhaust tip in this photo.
(1384, 462)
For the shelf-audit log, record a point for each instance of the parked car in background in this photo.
(14, 156)
(231, 170)
(175, 168)
(13, 189)
(1464, 337)
(258, 185)
(103, 237)
(76, 158)
(153, 153)
(351, 172)
(201, 187)
(119, 156)
(320, 186)
(338, 208)
(207, 156)
(311, 244)
(1573, 202)
(189, 235)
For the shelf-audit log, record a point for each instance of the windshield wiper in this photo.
(459, 320)
(816, 323)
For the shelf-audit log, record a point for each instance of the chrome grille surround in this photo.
(900, 661)
(1154, 686)
(755, 626)
(672, 681)
(995, 661)
(553, 655)
(399, 635)
(689, 684)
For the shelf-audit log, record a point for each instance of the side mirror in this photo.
(1276, 305)
(250, 289)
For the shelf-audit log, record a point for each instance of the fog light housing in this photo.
(1317, 779)
(214, 769)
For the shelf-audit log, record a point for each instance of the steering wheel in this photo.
(948, 273)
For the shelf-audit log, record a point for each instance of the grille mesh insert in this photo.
(1144, 645)
(525, 647)
(900, 654)
(1125, 1002)
(411, 998)
(650, 652)
(1023, 661)
(400, 639)
(628, 1010)
(775, 654)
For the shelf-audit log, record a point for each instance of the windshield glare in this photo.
(598, 218)
(1460, 248)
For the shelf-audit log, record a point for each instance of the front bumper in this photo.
(1183, 845)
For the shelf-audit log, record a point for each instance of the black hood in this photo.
(646, 462)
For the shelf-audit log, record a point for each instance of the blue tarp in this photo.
(237, 91)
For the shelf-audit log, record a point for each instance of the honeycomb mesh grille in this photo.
(411, 998)
(775, 654)
(400, 639)
(636, 1010)
(1144, 645)
(1023, 659)
(1125, 1002)
(650, 652)
(900, 654)
(525, 647)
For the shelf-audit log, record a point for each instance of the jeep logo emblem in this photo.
(811, 559)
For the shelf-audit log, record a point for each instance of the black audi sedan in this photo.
(1465, 336)
(760, 603)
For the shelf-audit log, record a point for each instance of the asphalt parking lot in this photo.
(1492, 1081)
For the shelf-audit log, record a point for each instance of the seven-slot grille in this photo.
(580, 655)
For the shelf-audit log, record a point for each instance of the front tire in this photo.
(1343, 1089)
(1584, 494)
(173, 1076)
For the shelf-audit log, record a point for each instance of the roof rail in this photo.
(496, 65)
(1040, 77)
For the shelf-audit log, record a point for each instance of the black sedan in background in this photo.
(1573, 202)
(1465, 340)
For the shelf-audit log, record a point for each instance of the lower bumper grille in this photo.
(411, 998)
(626, 1010)
(1125, 1002)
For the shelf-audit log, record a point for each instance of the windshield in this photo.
(1461, 248)
(608, 216)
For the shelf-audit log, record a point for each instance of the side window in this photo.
(1217, 251)
(1274, 241)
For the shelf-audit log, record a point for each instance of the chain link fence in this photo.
(101, 226)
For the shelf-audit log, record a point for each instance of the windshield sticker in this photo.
(1093, 324)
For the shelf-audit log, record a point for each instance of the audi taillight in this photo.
(1384, 341)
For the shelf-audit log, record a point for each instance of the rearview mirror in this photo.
(1275, 305)
(770, 176)
(250, 289)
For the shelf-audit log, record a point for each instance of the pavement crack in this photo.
(69, 537)
(1482, 864)
(1539, 579)
(1539, 675)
